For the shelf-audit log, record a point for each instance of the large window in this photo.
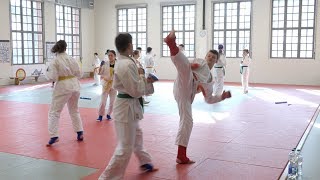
(232, 27)
(134, 21)
(68, 28)
(181, 18)
(293, 28)
(26, 32)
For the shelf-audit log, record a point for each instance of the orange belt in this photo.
(61, 78)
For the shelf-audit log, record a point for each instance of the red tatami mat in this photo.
(246, 139)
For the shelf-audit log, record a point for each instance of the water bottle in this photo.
(292, 170)
(299, 162)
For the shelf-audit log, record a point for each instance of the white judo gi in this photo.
(244, 70)
(185, 89)
(96, 64)
(106, 74)
(149, 64)
(64, 71)
(127, 113)
(219, 73)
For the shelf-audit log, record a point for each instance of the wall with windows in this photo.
(99, 27)
(106, 16)
(49, 30)
(264, 69)
(274, 70)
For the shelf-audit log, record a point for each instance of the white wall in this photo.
(87, 34)
(99, 27)
(264, 69)
(87, 38)
(5, 68)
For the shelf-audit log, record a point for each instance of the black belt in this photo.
(127, 96)
(241, 69)
(218, 67)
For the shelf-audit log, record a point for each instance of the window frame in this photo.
(32, 32)
(172, 4)
(72, 35)
(238, 49)
(136, 7)
(299, 28)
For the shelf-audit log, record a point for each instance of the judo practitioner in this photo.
(106, 72)
(149, 62)
(96, 64)
(141, 56)
(192, 78)
(136, 57)
(131, 84)
(65, 71)
(244, 70)
(219, 72)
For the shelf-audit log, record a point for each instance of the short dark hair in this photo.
(122, 41)
(139, 48)
(214, 52)
(135, 52)
(113, 52)
(181, 45)
(149, 49)
(96, 54)
(246, 50)
(59, 47)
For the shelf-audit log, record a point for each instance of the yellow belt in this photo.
(107, 86)
(61, 78)
(149, 67)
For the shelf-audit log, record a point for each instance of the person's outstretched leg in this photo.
(170, 40)
(183, 89)
(180, 61)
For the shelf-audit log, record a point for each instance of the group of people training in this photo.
(129, 85)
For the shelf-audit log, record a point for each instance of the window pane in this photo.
(232, 27)
(134, 21)
(68, 28)
(295, 39)
(26, 31)
(182, 19)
